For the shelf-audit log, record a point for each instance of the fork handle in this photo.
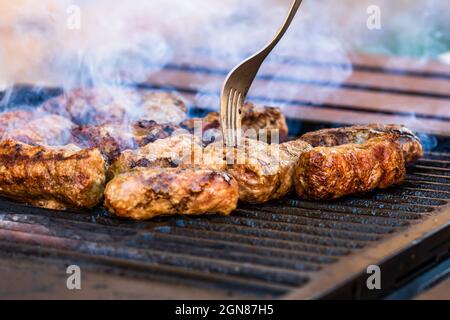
(294, 7)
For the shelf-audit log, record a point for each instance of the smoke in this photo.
(40, 45)
(119, 42)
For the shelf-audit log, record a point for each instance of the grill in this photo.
(284, 249)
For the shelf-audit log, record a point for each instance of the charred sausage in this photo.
(144, 193)
(410, 143)
(325, 173)
(54, 178)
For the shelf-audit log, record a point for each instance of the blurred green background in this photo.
(417, 28)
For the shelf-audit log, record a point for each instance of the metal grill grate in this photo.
(260, 251)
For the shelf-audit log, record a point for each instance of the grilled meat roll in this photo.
(410, 143)
(113, 138)
(110, 138)
(54, 178)
(165, 153)
(49, 130)
(264, 118)
(10, 120)
(210, 121)
(331, 172)
(148, 131)
(102, 105)
(263, 172)
(253, 118)
(144, 193)
(92, 105)
(162, 107)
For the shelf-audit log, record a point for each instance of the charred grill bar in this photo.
(285, 249)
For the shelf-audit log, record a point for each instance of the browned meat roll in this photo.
(113, 138)
(264, 118)
(148, 131)
(110, 138)
(101, 105)
(54, 178)
(10, 120)
(263, 172)
(47, 130)
(145, 193)
(169, 152)
(253, 118)
(410, 143)
(331, 172)
(161, 107)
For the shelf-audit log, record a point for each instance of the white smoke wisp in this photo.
(127, 41)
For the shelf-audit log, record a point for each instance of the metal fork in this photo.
(238, 82)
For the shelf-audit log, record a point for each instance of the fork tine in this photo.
(238, 107)
(229, 139)
(224, 115)
(233, 118)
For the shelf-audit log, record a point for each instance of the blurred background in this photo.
(42, 43)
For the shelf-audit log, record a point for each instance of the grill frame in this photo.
(400, 258)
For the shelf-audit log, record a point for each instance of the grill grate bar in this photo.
(166, 248)
(427, 194)
(432, 170)
(426, 188)
(156, 272)
(418, 194)
(216, 230)
(336, 225)
(334, 216)
(430, 177)
(352, 210)
(152, 257)
(416, 199)
(283, 226)
(145, 237)
(434, 163)
(437, 156)
(427, 179)
(427, 185)
(261, 253)
(385, 201)
(256, 238)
